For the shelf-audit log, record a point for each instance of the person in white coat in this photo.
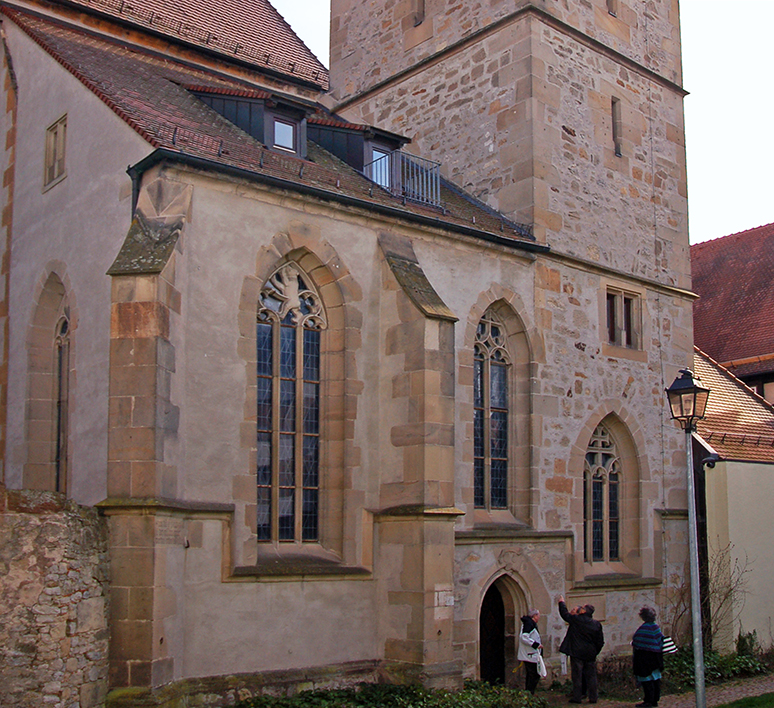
(530, 647)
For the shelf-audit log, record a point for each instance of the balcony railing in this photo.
(413, 178)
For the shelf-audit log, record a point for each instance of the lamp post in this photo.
(688, 401)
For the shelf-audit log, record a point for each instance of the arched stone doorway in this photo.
(502, 605)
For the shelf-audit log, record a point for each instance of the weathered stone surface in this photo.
(147, 247)
(53, 600)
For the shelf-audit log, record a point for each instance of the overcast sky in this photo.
(728, 65)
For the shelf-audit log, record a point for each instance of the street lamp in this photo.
(688, 401)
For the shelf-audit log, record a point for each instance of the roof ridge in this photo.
(744, 232)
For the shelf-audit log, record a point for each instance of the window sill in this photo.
(276, 561)
(53, 182)
(298, 566)
(615, 580)
(618, 352)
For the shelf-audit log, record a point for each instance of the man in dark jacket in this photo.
(583, 642)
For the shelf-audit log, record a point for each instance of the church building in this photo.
(356, 365)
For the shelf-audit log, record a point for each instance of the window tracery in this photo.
(289, 322)
(601, 498)
(491, 363)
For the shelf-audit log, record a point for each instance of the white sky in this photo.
(728, 60)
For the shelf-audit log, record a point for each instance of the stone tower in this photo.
(563, 114)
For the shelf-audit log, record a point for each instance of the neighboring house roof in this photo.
(738, 424)
(734, 315)
(151, 94)
(251, 31)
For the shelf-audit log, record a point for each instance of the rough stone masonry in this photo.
(54, 602)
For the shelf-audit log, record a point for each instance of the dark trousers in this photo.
(531, 676)
(584, 675)
(651, 691)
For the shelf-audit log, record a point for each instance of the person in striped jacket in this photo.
(648, 658)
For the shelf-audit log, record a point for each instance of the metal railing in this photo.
(413, 178)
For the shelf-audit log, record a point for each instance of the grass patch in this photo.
(764, 701)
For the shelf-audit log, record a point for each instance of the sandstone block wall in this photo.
(53, 600)
(372, 40)
(522, 118)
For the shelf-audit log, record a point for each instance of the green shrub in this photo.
(679, 668)
(747, 644)
(474, 695)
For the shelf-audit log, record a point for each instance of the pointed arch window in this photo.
(601, 498)
(61, 401)
(289, 323)
(491, 366)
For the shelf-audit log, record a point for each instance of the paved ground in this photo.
(716, 695)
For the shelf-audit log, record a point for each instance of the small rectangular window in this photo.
(419, 12)
(617, 126)
(623, 319)
(55, 152)
(284, 135)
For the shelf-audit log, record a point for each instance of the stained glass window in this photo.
(290, 320)
(491, 366)
(601, 498)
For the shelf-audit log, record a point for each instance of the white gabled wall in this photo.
(74, 229)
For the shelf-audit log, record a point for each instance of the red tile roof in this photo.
(739, 424)
(249, 30)
(734, 315)
(149, 93)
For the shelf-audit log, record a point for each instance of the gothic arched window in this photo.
(601, 498)
(491, 365)
(289, 322)
(61, 401)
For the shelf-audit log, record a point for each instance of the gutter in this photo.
(165, 154)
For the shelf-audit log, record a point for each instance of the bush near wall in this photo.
(474, 695)
(53, 600)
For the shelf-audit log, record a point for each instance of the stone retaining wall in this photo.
(54, 602)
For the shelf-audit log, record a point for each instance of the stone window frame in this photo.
(54, 166)
(616, 117)
(520, 345)
(624, 431)
(61, 400)
(602, 481)
(419, 12)
(53, 305)
(622, 337)
(490, 355)
(337, 541)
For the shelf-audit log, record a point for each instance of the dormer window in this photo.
(284, 129)
(285, 135)
(279, 124)
(378, 169)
